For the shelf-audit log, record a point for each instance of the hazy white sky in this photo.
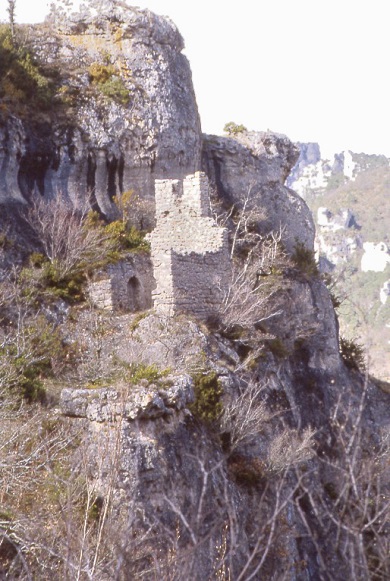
(316, 70)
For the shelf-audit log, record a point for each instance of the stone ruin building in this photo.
(190, 257)
(125, 286)
(190, 253)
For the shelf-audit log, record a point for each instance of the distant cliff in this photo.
(350, 202)
(315, 174)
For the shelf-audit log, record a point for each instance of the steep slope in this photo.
(240, 445)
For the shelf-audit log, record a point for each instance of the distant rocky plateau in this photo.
(350, 200)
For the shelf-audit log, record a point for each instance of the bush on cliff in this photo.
(23, 82)
(109, 83)
(305, 261)
(232, 128)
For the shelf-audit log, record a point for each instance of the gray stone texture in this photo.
(190, 252)
(130, 402)
(125, 286)
(256, 165)
(106, 147)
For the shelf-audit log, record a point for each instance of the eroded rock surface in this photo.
(103, 145)
(135, 402)
(254, 167)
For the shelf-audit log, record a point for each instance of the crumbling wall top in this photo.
(190, 252)
(183, 217)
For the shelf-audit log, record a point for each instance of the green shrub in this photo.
(352, 354)
(28, 359)
(37, 259)
(23, 81)
(208, 391)
(136, 372)
(43, 278)
(304, 260)
(139, 372)
(70, 287)
(109, 83)
(116, 90)
(232, 128)
(127, 238)
(100, 74)
(135, 240)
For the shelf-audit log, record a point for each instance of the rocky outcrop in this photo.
(140, 402)
(376, 257)
(310, 172)
(385, 292)
(313, 173)
(253, 168)
(337, 238)
(125, 114)
(101, 145)
(162, 467)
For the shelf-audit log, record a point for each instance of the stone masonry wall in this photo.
(125, 286)
(190, 251)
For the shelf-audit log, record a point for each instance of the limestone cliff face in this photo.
(124, 114)
(101, 145)
(188, 492)
(254, 167)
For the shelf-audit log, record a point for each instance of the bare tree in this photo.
(353, 516)
(289, 448)
(245, 416)
(69, 242)
(11, 13)
(247, 301)
(255, 256)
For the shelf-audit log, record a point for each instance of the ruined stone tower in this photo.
(190, 252)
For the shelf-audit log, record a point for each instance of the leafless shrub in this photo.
(255, 256)
(69, 244)
(289, 448)
(353, 516)
(245, 416)
(51, 508)
(362, 475)
(246, 221)
(34, 452)
(247, 301)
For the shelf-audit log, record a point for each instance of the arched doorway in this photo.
(134, 294)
